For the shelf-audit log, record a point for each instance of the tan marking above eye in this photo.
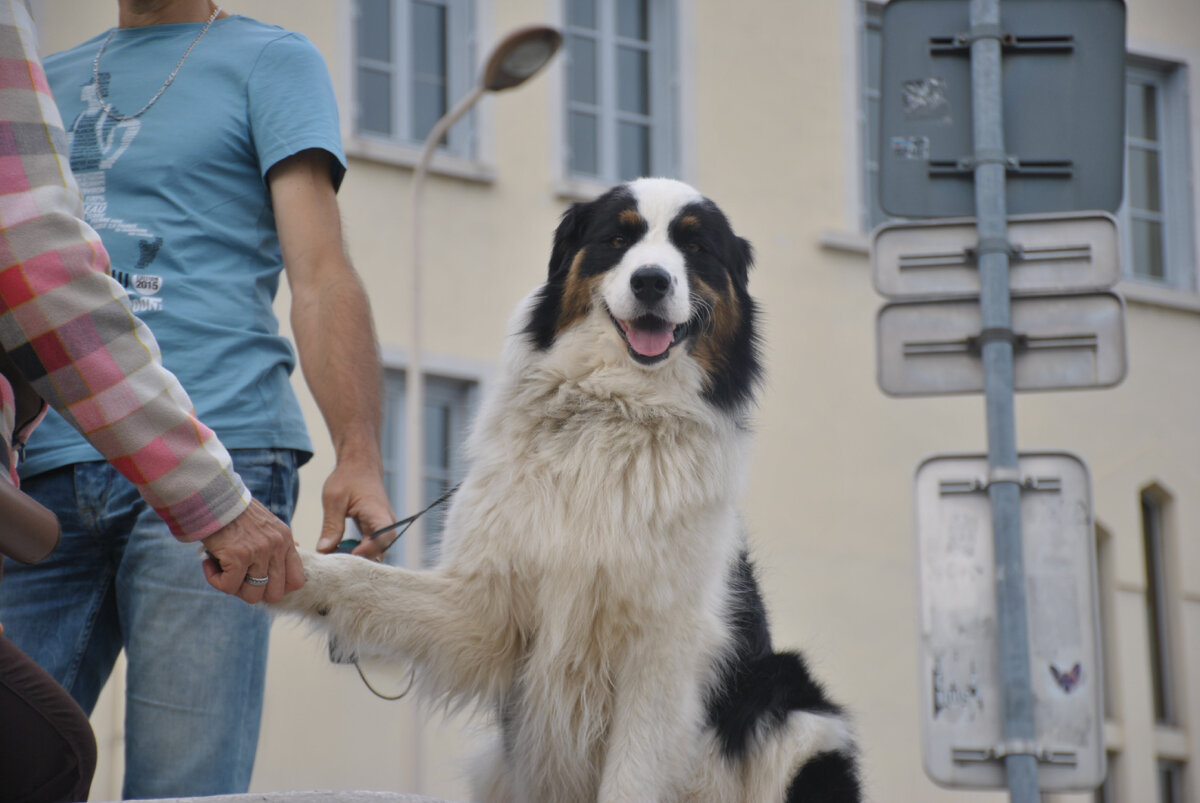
(628, 217)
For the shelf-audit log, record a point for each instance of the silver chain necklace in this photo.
(104, 104)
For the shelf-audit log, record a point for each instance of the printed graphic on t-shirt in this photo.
(97, 140)
(146, 284)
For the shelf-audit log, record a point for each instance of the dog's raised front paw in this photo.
(313, 597)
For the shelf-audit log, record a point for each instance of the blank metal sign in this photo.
(961, 697)
(1063, 342)
(1052, 254)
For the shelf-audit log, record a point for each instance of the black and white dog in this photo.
(594, 592)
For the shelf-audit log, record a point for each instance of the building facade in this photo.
(769, 107)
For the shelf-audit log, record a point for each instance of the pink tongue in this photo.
(648, 343)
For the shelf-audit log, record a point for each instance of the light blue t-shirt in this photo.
(180, 200)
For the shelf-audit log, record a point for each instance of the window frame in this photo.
(1156, 553)
(454, 382)
(1106, 589)
(1106, 792)
(469, 155)
(870, 18)
(1174, 772)
(1169, 80)
(665, 98)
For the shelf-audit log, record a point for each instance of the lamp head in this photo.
(519, 56)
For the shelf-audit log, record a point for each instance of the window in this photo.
(412, 61)
(1105, 587)
(870, 67)
(449, 404)
(1107, 791)
(1157, 611)
(621, 105)
(1170, 781)
(1155, 215)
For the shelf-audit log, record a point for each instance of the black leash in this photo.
(403, 524)
(407, 522)
(391, 698)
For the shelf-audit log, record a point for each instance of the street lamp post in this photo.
(518, 57)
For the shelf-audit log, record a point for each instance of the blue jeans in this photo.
(119, 579)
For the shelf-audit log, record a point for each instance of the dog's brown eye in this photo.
(692, 248)
(619, 242)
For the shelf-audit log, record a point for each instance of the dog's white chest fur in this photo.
(616, 520)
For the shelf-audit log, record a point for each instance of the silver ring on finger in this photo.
(256, 581)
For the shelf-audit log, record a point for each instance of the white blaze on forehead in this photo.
(660, 199)
(658, 202)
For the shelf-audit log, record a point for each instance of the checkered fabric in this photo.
(68, 325)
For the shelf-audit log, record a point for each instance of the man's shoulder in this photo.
(82, 53)
(252, 33)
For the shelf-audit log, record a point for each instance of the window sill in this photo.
(397, 155)
(440, 365)
(854, 242)
(1170, 742)
(580, 189)
(1114, 736)
(1152, 295)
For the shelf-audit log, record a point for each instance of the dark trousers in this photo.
(47, 748)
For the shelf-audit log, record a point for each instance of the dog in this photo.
(594, 594)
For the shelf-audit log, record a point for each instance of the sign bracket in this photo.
(1029, 482)
(1014, 166)
(1018, 747)
(973, 344)
(960, 44)
(969, 256)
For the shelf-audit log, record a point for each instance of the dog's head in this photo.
(661, 264)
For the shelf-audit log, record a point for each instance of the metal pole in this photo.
(1003, 489)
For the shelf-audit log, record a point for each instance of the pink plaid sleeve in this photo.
(62, 317)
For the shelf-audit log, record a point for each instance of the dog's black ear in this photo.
(568, 237)
(741, 258)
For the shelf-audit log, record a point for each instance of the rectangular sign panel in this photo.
(1054, 254)
(1062, 342)
(1063, 81)
(961, 692)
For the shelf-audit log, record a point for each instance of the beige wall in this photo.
(769, 125)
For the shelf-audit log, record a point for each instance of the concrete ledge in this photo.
(308, 797)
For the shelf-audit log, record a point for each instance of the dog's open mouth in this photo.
(649, 337)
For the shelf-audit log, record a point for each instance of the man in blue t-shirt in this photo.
(208, 153)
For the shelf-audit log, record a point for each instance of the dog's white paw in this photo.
(316, 596)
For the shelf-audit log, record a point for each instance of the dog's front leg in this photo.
(364, 606)
(657, 718)
(457, 629)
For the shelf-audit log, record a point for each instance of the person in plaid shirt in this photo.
(68, 325)
(64, 320)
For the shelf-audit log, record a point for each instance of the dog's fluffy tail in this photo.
(771, 716)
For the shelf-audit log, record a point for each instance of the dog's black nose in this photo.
(650, 283)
